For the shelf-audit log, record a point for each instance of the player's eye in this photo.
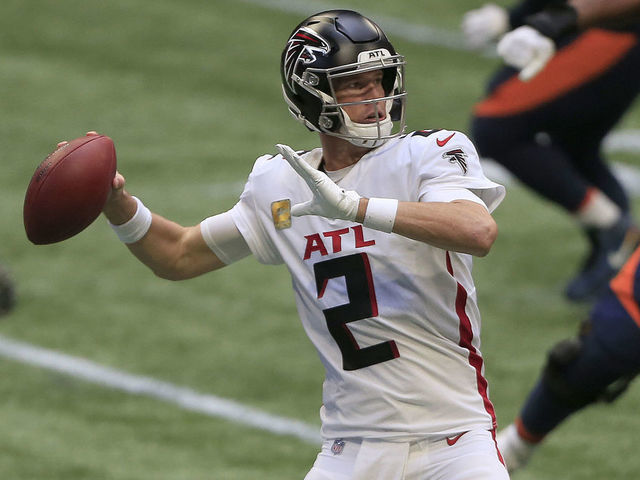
(350, 85)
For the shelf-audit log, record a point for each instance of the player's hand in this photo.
(329, 200)
(118, 180)
(117, 186)
(120, 205)
(482, 25)
(88, 134)
(526, 49)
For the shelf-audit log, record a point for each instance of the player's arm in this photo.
(460, 225)
(531, 46)
(597, 12)
(170, 250)
(481, 26)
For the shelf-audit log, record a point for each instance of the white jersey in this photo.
(394, 320)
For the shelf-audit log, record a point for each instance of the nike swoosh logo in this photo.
(442, 143)
(451, 441)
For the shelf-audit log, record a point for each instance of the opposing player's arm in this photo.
(171, 251)
(597, 12)
(530, 47)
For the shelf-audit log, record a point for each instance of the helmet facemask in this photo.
(334, 120)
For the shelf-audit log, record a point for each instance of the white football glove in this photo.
(329, 200)
(482, 25)
(526, 49)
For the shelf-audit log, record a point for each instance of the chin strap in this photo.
(367, 134)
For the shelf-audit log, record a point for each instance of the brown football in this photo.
(69, 189)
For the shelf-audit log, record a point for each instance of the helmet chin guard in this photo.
(337, 44)
(366, 134)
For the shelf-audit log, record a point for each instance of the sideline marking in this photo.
(185, 398)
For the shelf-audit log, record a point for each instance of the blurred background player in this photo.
(546, 123)
(597, 365)
(7, 292)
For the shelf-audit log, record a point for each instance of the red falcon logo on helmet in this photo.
(303, 46)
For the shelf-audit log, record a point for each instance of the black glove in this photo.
(554, 21)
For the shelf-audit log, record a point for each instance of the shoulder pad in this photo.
(424, 133)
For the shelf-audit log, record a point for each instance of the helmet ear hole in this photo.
(325, 122)
(331, 119)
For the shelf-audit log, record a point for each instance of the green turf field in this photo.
(189, 90)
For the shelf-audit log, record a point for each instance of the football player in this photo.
(7, 292)
(597, 365)
(546, 125)
(377, 228)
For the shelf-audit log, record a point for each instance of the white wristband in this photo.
(381, 214)
(136, 227)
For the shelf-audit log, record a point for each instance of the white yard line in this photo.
(185, 398)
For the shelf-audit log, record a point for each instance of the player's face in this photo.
(356, 88)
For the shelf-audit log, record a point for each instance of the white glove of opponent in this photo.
(482, 25)
(329, 200)
(526, 49)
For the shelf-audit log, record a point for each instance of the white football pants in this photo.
(472, 456)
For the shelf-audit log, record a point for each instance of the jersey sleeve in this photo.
(251, 221)
(223, 238)
(449, 169)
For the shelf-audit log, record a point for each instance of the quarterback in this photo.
(377, 228)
